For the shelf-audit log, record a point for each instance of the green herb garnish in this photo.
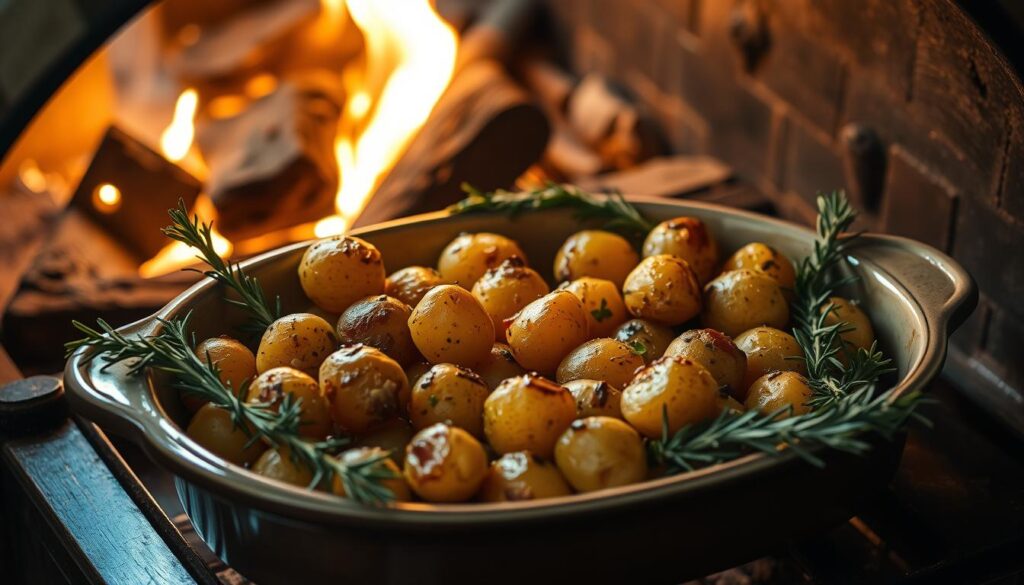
(638, 348)
(603, 312)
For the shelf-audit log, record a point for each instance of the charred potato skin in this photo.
(718, 354)
(466, 258)
(272, 386)
(653, 337)
(600, 452)
(767, 350)
(595, 253)
(300, 340)
(766, 259)
(449, 325)
(379, 321)
(664, 289)
(687, 238)
(504, 290)
(363, 386)
(777, 390)
(600, 359)
(739, 300)
(337, 271)
(521, 476)
(595, 398)
(449, 394)
(548, 329)
(603, 303)
(445, 464)
(412, 282)
(527, 413)
(680, 388)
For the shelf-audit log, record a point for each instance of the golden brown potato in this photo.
(450, 326)
(445, 464)
(739, 300)
(399, 489)
(411, 283)
(778, 390)
(595, 398)
(519, 476)
(769, 350)
(547, 329)
(718, 354)
(663, 288)
(363, 386)
(603, 302)
(450, 394)
(682, 388)
(764, 258)
(235, 362)
(278, 464)
(499, 366)
(687, 238)
(391, 436)
(595, 253)
(862, 334)
(507, 288)
(600, 452)
(337, 271)
(301, 341)
(648, 338)
(468, 257)
(214, 430)
(272, 386)
(600, 359)
(380, 321)
(527, 413)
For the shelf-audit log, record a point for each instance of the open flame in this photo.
(177, 138)
(177, 255)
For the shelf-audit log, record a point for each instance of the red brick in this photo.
(919, 203)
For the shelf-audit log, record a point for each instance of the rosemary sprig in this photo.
(620, 215)
(198, 235)
(171, 351)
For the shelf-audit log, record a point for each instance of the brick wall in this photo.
(903, 103)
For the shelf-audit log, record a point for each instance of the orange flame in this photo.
(177, 137)
(177, 255)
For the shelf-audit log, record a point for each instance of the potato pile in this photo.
(485, 384)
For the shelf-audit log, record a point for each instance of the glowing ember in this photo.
(177, 138)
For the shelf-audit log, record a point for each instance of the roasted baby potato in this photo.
(520, 476)
(778, 390)
(337, 271)
(391, 436)
(280, 465)
(600, 359)
(450, 394)
(411, 283)
(769, 350)
(235, 362)
(499, 366)
(595, 398)
(862, 334)
(527, 413)
(215, 431)
(380, 321)
(739, 300)
(603, 302)
(764, 258)
(595, 253)
(300, 340)
(445, 464)
(399, 489)
(547, 329)
(468, 257)
(363, 386)
(600, 452)
(663, 288)
(718, 354)
(680, 388)
(648, 338)
(507, 288)
(687, 238)
(271, 388)
(450, 326)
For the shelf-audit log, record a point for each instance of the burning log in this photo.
(272, 166)
(485, 130)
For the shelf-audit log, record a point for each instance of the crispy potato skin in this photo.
(595, 398)
(445, 464)
(214, 430)
(527, 413)
(300, 340)
(739, 300)
(653, 337)
(520, 476)
(449, 325)
(272, 386)
(600, 359)
(547, 329)
(600, 452)
(767, 350)
(507, 288)
(466, 258)
(499, 366)
(380, 321)
(450, 394)
(777, 390)
(337, 271)
(718, 354)
(664, 289)
(603, 303)
(236, 362)
(363, 386)
(681, 388)
(278, 464)
(764, 258)
(595, 253)
(399, 489)
(687, 238)
(412, 282)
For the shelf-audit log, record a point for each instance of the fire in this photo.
(177, 255)
(410, 58)
(177, 138)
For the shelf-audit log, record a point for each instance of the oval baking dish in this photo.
(664, 530)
